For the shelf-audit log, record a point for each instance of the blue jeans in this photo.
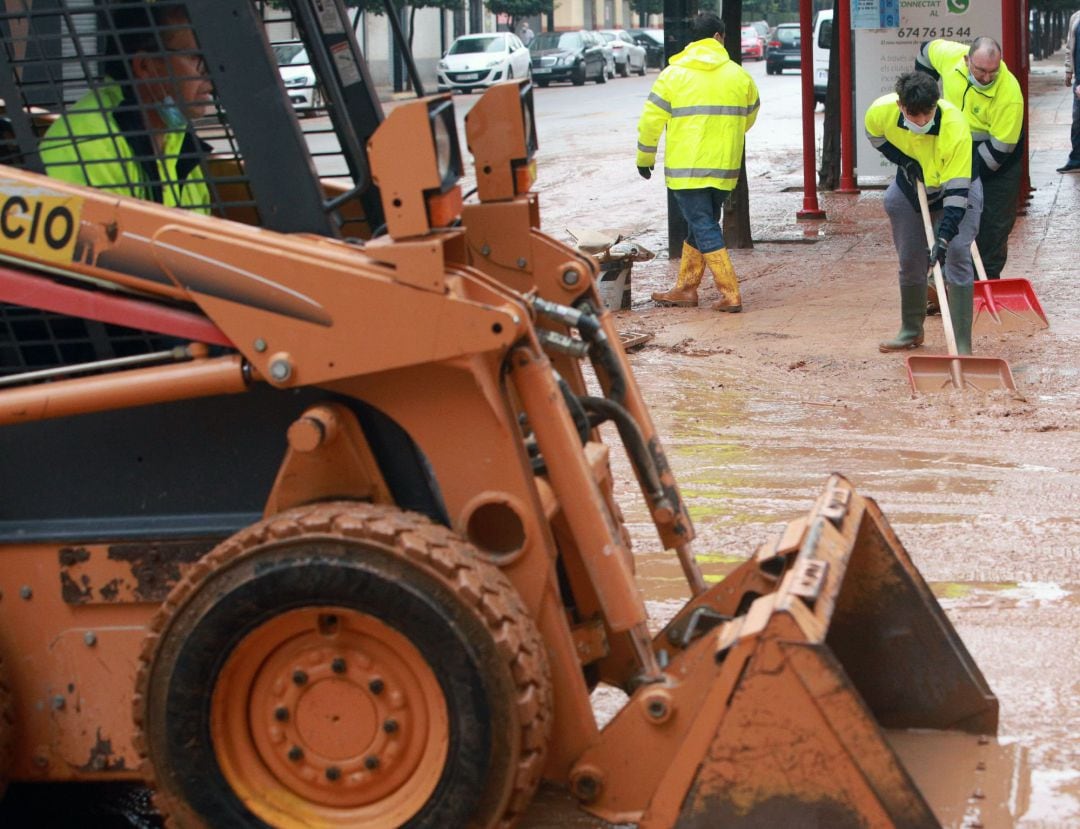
(702, 209)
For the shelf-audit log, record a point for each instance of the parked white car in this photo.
(478, 61)
(629, 57)
(298, 77)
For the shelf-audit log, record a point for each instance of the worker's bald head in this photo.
(985, 46)
(984, 61)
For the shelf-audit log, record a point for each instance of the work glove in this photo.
(938, 251)
(912, 169)
(645, 172)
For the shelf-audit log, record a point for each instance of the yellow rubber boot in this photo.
(691, 269)
(726, 281)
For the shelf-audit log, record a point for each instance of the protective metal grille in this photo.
(119, 95)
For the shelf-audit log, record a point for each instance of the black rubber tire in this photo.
(643, 69)
(461, 613)
(579, 78)
(624, 69)
(603, 74)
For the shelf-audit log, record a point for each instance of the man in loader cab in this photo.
(976, 81)
(929, 140)
(706, 102)
(131, 134)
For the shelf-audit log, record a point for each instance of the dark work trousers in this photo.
(1074, 156)
(1001, 192)
(702, 208)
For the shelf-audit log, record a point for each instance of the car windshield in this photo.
(608, 36)
(556, 40)
(474, 45)
(287, 54)
(749, 33)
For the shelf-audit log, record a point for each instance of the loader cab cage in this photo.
(198, 104)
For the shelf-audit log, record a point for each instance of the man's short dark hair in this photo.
(918, 92)
(129, 27)
(706, 25)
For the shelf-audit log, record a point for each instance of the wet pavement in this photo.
(756, 409)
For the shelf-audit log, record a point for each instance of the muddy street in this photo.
(758, 408)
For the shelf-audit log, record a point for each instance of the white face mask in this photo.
(920, 129)
(980, 86)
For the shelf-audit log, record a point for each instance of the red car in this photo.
(752, 44)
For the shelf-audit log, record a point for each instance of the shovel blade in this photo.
(1006, 305)
(934, 373)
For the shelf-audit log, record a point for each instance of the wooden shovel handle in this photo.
(980, 268)
(939, 281)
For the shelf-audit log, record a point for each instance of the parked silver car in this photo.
(629, 56)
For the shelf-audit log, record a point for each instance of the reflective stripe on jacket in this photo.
(944, 153)
(88, 146)
(706, 102)
(995, 115)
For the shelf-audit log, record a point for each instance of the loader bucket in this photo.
(933, 373)
(851, 643)
(1006, 305)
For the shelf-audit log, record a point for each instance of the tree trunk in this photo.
(829, 174)
(737, 207)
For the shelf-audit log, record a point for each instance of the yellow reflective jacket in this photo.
(706, 102)
(102, 142)
(944, 153)
(995, 115)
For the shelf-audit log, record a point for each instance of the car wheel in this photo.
(578, 78)
(624, 69)
(603, 75)
(642, 68)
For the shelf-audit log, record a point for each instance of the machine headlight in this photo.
(443, 65)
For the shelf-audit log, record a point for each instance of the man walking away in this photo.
(526, 33)
(706, 102)
(1072, 72)
(928, 139)
(975, 80)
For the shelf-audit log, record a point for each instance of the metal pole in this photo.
(847, 92)
(810, 209)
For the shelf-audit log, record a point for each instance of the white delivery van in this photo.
(822, 43)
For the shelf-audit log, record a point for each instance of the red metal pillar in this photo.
(1014, 50)
(810, 209)
(847, 92)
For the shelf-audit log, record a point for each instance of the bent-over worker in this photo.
(928, 139)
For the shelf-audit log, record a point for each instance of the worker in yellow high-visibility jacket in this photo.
(976, 81)
(706, 102)
(131, 134)
(929, 140)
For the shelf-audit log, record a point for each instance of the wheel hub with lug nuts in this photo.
(341, 710)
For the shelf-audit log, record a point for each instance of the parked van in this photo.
(822, 44)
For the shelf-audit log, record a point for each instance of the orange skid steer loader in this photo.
(305, 515)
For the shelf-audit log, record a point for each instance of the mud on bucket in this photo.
(851, 642)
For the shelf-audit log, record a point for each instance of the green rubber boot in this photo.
(960, 311)
(912, 316)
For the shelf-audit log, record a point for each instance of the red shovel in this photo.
(1004, 304)
(929, 373)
